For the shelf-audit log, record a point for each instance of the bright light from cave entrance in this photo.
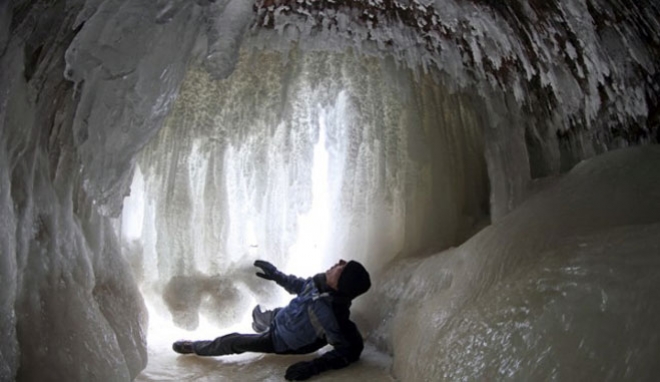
(307, 255)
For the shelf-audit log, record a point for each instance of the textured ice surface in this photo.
(8, 342)
(303, 159)
(564, 287)
(126, 63)
(164, 365)
(70, 307)
(579, 74)
(555, 83)
(228, 21)
(8, 274)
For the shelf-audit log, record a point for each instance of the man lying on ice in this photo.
(317, 316)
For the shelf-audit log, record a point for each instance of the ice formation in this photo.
(384, 130)
(564, 287)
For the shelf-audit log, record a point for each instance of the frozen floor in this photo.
(165, 365)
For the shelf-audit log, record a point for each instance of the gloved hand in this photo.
(301, 371)
(267, 268)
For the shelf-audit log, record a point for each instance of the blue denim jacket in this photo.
(308, 317)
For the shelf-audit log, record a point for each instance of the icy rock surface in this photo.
(564, 287)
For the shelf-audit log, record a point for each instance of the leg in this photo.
(235, 343)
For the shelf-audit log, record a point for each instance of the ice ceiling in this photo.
(299, 131)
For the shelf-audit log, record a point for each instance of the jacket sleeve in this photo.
(346, 341)
(291, 283)
(341, 333)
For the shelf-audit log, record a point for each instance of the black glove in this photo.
(268, 269)
(301, 371)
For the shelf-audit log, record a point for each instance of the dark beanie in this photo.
(354, 280)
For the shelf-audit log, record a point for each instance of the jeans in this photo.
(235, 343)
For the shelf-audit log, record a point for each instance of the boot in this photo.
(261, 320)
(183, 347)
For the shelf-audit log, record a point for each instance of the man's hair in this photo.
(354, 280)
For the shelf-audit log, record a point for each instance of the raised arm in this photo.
(290, 283)
(348, 346)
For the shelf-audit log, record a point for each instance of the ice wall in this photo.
(69, 131)
(565, 287)
(86, 84)
(236, 173)
(582, 74)
(8, 273)
(126, 85)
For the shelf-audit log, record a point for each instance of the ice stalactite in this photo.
(231, 174)
(581, 74)
(428, 107)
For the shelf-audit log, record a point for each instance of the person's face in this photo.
(332, 274)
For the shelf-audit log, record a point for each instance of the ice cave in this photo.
(494, 164)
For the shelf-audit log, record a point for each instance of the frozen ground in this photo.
(166, 365)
